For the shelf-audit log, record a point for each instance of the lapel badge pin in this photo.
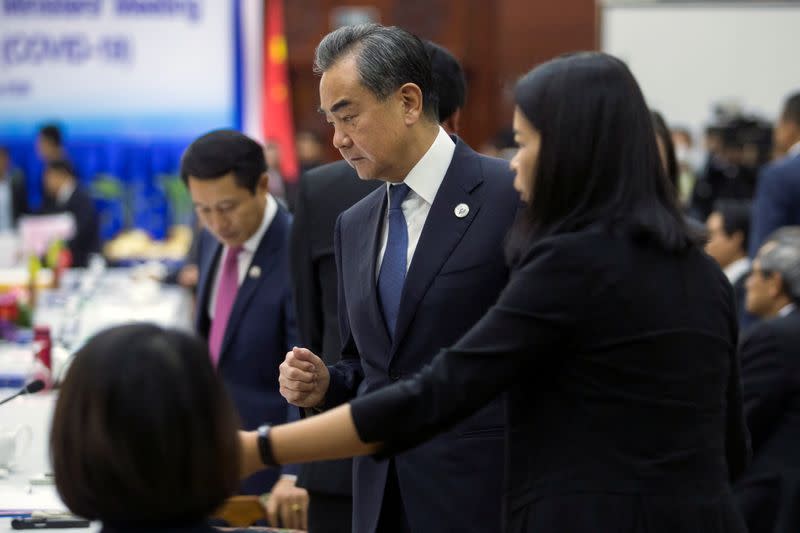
(255, 271)
(461, 210)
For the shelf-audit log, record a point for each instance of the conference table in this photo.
(88, 301)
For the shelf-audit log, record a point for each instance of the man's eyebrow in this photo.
(215, 204)
(336, 107)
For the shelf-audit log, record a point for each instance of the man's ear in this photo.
(411, 98)
(775, 286)
(262, 187)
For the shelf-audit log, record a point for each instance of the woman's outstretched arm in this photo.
(330, 435)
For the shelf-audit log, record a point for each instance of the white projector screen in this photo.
(689, 56)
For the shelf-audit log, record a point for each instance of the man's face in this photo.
(46, 149)
(724, 248)
(763, 288)
(230, 212)
(369, 133)
(53, 180)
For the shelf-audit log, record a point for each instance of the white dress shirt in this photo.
(794, 150)
(424, 181)
(246, 255)
(65, 193)
(786, 309)
(737, 269)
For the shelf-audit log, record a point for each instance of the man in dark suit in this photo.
(323, 194)
(13, 193)
(63, 194)
(419, 261)
(769, 490)
(728, 228)
(777, 199)
(244, 304)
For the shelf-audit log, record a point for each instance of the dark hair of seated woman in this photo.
(144, 433)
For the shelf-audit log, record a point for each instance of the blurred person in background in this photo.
(777, 198)
(687, 163)
(63, 194)
(50, 144)
(500, 145)
(309, 150)
(277, 186)
(323, 194)
(739, 146)
(244, 306)
(769, 490)
(728, 228)
(13, 193)
(143, 433)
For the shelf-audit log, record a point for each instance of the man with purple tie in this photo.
(244, 303)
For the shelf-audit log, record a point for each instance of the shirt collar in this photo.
(794, 150)
(427, 175)
(65, 192)
(271, 209)
(786, 309)
(735, 270)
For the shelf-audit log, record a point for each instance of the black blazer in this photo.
(323, 194)
(452, 483)
(769, 491)
(87, 230)
(624, 398)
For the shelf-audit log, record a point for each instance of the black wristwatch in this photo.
(265, 447)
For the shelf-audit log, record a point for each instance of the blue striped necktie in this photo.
(393, 267)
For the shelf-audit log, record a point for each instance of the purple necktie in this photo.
(226, 295)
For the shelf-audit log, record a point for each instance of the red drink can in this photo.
(41, 339)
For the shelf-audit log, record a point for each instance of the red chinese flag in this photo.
(277, 104)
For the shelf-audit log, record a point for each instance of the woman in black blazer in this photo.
(615, 339)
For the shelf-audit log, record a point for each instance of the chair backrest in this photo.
(241, 511)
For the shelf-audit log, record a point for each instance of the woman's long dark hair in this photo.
(670, 161)
(598, 163)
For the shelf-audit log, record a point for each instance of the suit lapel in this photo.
(367, 249)
(208, 269)
(264, 258)
(442, 232)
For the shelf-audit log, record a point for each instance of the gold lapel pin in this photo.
(255, 271)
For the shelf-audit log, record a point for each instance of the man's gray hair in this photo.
(786, 235)
(784, 258)
(387, 57)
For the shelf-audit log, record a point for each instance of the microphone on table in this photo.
(31, 388)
